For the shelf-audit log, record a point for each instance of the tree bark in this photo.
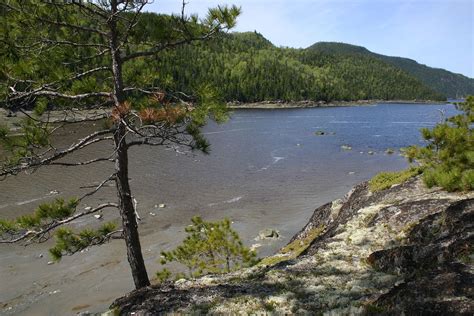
(127, 212)
(129, 221)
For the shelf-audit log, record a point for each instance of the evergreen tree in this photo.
(448, 159)
(58, 54)
(210, 247)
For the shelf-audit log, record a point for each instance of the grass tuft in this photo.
(385, 180)
(293, 249)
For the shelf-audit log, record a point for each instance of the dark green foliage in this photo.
(45, 213)
(48, 216)
(442, 81)
(447, 83)
(360, 75)
(163, 275)
(31, 136)
(69, 242)
(248, 68)
(244, 66)
(448, 158)
(210, 247)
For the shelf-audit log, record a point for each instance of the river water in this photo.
(267, 169)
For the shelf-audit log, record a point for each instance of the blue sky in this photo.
(438, 33)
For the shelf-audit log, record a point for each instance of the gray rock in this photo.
(269, 233)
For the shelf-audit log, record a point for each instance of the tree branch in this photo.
(42, 92)
(73, 26)
(35, 234)
(97, 188)
(81, 163)
(158, 48)
(74, 44)
(38, 161)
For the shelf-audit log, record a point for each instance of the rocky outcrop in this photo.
(407, 249)
(436, 262)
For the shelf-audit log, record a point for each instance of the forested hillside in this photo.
(246, 67)
(450, 84)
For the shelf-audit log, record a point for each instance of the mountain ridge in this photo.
(451, 84)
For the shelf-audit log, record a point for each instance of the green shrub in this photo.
(210, 247)
(385, 180)
(448, 159)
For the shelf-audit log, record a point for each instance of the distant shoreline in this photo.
(58, 115)
(318, 104)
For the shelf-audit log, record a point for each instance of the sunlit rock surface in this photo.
(407, 249)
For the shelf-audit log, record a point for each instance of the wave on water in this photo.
(232, 200)
(23, 202)
(228, 131)
(425, 123)
(30, 201)
(311, 116)
(277, 159)
(349, 122)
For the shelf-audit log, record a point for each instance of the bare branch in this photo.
(32, 162)
(74, 44)
(99, 54)
(146, 141)
(73, 26)
(158, 48)
(97, 188)
(69, 117)
(91, 7)
(81, 163)
(42, 92)
(134, 21)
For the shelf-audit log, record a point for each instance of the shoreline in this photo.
(321, 104)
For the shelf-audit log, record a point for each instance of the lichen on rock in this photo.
(404, 249)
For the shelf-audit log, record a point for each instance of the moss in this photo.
(368, 219)
(293, 249)
(409, 227)
(271, 261)
(385, 180)
(270, 306)
(203, 308)
(372, 309)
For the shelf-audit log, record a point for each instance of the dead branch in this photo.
(97, 188)
(36, 161)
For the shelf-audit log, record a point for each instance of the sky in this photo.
(437, 33)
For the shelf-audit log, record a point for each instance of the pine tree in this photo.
(89, 54)
(448, 159)
(209, 247)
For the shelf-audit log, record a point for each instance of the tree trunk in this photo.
(129, 221)
(127, 211)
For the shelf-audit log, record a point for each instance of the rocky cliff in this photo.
(407, 249)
